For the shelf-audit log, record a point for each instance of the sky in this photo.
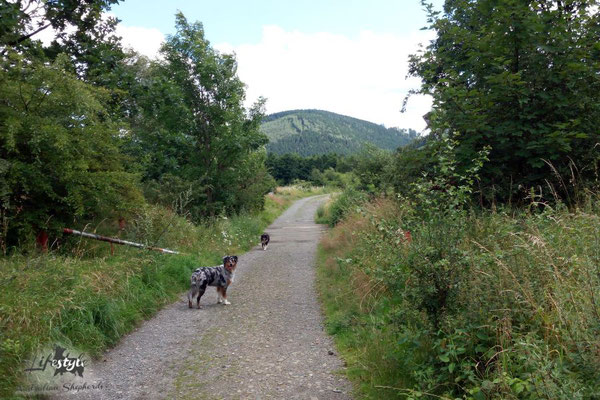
(345, 56)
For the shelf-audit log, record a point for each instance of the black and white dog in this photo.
(221, 277)
(264, 240)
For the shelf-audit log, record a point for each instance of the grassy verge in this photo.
(488, 305)
(90, 298)
(339, 205)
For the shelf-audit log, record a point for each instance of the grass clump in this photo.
(340, 205)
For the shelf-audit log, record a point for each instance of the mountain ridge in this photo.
(313, 132)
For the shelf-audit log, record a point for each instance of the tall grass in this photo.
(88, 298)
(340, 205)
(479, 305)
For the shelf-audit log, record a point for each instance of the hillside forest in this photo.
(315, 132)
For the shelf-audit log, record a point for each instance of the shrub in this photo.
(345, 203)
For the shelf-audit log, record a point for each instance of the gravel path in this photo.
(269, 344)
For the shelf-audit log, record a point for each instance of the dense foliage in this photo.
(430, 296)
(90, 132)
(521, 77)
(59, 158)
(315, 132)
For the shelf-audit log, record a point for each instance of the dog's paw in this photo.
(219, 301)
(226, 302)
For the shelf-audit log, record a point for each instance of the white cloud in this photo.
(362, 77)
(146, 41)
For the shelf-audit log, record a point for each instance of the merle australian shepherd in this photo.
(221, 277)
(264, 240)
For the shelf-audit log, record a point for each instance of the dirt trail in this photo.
(269, 344)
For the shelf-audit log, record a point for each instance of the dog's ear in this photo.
(234, 259)
(225, 260)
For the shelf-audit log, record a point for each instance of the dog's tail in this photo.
(195, 281)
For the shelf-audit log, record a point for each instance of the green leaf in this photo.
(519, 387)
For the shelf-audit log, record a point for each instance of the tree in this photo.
(522, 77)
(192, 123)
(73, 21)
(59, 151)
(373, 169)
(81, 29)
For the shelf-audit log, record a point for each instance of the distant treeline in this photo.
(290, 167)
(372, 169)
(329, 169)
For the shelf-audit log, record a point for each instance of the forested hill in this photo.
(315, 132)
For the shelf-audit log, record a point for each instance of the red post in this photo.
(404, 236)
(42, 240)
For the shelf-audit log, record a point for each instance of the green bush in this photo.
(348, 201)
